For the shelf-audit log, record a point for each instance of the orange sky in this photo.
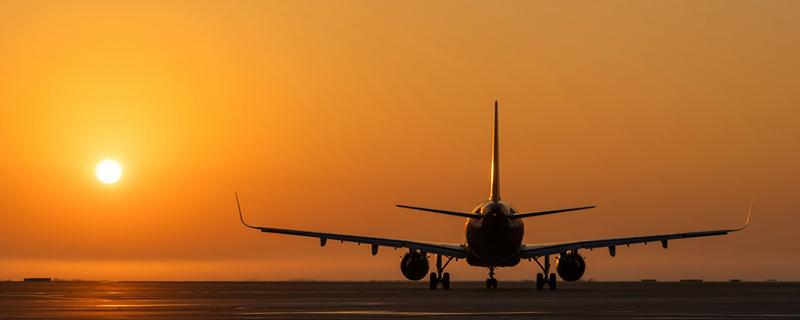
(668, 115)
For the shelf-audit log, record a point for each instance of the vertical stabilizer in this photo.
(494, 193)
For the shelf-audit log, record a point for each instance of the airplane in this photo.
(494, 238)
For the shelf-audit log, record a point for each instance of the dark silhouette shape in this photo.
(494, 235)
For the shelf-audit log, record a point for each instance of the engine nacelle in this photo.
(571, 266)
(414, 265)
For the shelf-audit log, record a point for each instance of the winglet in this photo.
(749, 213)
(241, 218)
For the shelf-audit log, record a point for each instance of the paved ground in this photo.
(395, 300)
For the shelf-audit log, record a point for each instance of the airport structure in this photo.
(494, 238)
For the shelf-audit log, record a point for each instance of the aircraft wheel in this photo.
(539, 281)
(434, 281)
(551, 282)
(489, 283)
(446, 281)
(494, 283)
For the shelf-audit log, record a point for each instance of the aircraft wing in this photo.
(444, 249)
(536, 250)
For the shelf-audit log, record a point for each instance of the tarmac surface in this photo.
(396, 300)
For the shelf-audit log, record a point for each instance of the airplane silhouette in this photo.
(494, 235)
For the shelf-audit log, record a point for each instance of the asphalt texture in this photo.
(397, 300)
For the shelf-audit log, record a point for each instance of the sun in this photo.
(108, 171)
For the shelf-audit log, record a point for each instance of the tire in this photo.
(539, 281)
(551, 282)
(488, 283)
(434, 281)
(494, 283)
(446, 281)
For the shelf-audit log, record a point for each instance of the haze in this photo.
(322, 115)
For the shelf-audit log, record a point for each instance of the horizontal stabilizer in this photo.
(452, 213)
(541, 213)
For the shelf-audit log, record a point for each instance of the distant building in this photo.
(692, 280)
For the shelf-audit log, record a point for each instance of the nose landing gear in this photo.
(440, 277)
(491, 283)
(546, 277)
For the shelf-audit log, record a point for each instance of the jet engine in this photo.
(414, 265)
(570, 266)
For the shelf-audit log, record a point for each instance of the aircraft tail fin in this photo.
(494, 193)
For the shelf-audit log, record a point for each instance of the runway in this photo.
(396, 300)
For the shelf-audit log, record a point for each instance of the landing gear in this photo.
(440, 277)
(546, 277)
(491, 283)
(539, 281)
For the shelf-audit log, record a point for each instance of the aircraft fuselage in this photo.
(494, 239)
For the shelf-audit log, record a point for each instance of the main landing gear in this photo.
(546, 277)
(440, 277)
(491, 283)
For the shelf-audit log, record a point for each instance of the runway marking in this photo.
(395, 313)
(715, 315)
(148, 305)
